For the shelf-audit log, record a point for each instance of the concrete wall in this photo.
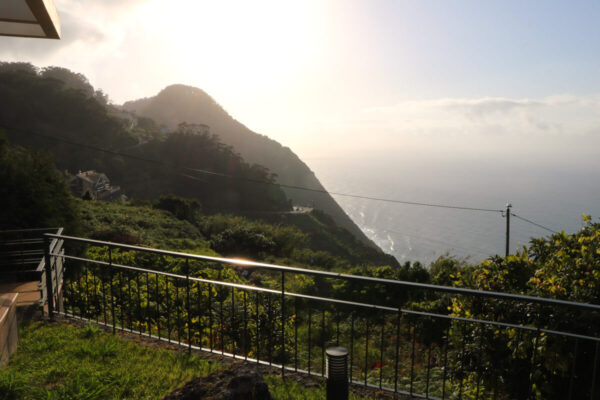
(8, 326)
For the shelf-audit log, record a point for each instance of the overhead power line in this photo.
(532, 223)
(189, 174)
(356, 196)
(213, 173)
(482, 252)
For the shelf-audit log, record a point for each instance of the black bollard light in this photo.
(337, 373)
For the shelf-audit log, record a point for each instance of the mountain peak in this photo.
(180, 103)
(180, 89)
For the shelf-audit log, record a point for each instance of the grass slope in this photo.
(58, 361)
(312, 240)
(140, 225)
(61, 361)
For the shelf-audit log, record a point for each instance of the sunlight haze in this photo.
(314, 71)
(501, 93)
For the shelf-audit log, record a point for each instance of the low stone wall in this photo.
(8, 326)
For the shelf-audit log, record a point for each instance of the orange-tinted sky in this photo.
(346, 78)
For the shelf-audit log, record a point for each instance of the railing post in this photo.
(283, 323)
(48, 270)
(189, 317)
(112, 299)
(337, 373)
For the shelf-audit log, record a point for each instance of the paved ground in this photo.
(29, 292)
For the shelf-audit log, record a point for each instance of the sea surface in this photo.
(554, 196)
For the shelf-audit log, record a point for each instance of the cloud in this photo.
(109, 3)
(555, 129)
(96, 7)
(480, 108)
(550, 116)
(74, 29)
(87, 22)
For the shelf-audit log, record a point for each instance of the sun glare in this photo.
(262, 43)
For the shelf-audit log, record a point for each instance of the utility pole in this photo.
(508, 206)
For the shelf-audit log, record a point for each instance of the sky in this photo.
(348, 78)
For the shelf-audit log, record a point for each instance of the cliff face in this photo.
(180, 103)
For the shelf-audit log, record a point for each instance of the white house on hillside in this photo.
(96, 184)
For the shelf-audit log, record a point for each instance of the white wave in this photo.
(391, 243)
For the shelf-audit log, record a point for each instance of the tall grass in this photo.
(59, 361)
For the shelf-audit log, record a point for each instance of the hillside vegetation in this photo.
(83, 133)
(181, 103)
(35, 194)
(58, 112)
(159, 225)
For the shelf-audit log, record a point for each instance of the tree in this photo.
(70, 80)
(18, 66)
(33, 192)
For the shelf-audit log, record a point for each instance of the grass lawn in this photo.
(62, 361)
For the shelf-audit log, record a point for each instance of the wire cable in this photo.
(213, 173)
(533, 223)
(356, 196)
(483, 252)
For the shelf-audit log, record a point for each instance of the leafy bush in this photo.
(244, 242)
(562, 266)
(185, 209)
(231, 235)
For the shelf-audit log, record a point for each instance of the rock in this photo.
(241, 383)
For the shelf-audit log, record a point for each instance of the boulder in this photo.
(242, 383)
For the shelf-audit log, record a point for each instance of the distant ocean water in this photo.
(553, 196)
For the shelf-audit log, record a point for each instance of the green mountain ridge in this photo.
(69, 124)
(180, 103)
(83, 133)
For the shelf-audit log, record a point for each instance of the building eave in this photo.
(29, 19)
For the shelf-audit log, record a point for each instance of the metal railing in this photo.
(22, 258)
(491, 345)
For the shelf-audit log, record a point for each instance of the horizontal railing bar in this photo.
(172, 275)
(502, 324)
(240, 357)
(336, 301)
(19, 262)
(29, 230)
(12, 255)
(14, 242)
(9, 254)
(389, 389)
(448, 289)
(230, 284)
(442, 316)
(16, 264)
(17, 271)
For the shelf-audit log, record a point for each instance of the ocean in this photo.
(551, 195)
